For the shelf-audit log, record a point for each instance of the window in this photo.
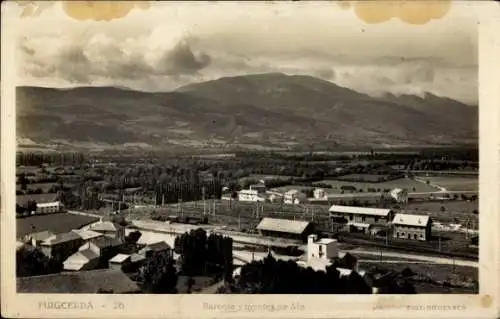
(409, 236)
(351, 217)
(397, 234)
(363, 218)
(415, 236)
(376, 219)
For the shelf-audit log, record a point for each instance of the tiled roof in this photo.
(119, 258)
(87, 233)
(359, 210)
(159, 246)
(326, 241)
(78, 282)
(137, 257)
(103, 242)
(106, 226)
(88, 253)
(411, 220)
(41, 235)
(283, 225)
(61, 238)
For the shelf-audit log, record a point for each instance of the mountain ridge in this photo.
(252, 111)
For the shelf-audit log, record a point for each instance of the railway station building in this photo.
(414, 227)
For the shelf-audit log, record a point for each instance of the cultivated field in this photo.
(43, 186)
(411, 185)
(460, 212)
(455, 183)
(56, 223)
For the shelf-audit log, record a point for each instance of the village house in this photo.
(120, 262)
(82, 260)
(105, 247)
(49, 208)
(260, 188)
(319, 193)
(109, 229)
(250, 195)
(325, 248)
(400, 195)
(61, 246)
(45, 203)
(155, 247)
(415, 227)
(36, 238)
(295, 197)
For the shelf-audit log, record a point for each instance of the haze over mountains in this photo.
(252, 111)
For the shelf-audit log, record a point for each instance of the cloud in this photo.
(181, 60)
(98, 56)
(167, 46)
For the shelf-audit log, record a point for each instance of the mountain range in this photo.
(250, 112)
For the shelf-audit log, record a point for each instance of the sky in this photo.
(172, 44)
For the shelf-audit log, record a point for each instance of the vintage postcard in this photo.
(250, 159)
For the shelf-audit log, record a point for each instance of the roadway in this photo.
(427, 259)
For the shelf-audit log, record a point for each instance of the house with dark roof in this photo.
(285, 228)
(105, 247)
(79, 282)
(155, 247)
(61, 246)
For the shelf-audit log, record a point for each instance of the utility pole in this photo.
(213, 202)
(204, 203)
(439, 238)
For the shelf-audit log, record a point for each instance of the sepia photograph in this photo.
(245, 148)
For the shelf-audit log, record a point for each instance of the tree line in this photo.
(51, 158)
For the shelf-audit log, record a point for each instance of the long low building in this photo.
(285, 228)
(362, 216)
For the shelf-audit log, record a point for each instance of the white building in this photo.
(320, 193)
(260, 188)
(400, 195)
(49, 208)
(294, 196)
(250, 195)
(324, 248)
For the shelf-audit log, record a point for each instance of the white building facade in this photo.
(250, 195)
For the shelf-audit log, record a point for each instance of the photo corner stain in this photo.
(486, 301)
